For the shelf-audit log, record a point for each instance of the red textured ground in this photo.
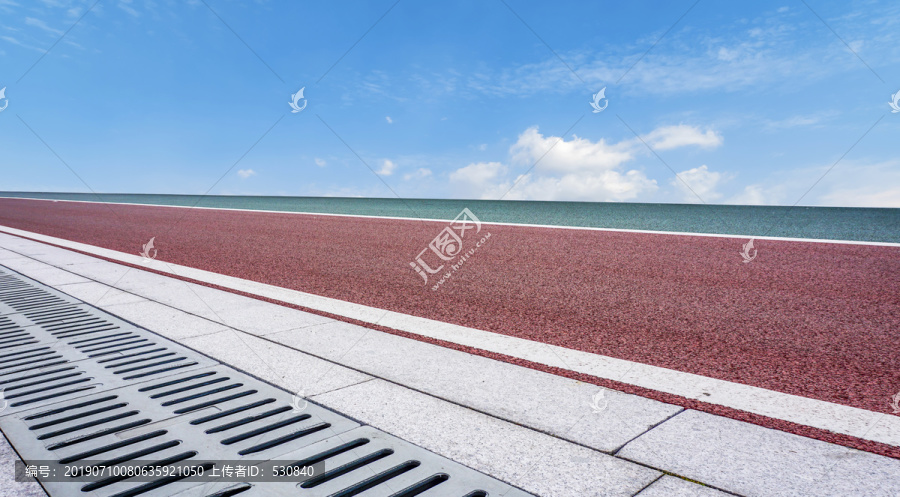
(810, 319)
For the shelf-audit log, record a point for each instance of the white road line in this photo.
(548, 226)
(837, 418)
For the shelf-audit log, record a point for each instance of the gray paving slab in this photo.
(670, 486)
(53, 276)
(755, 461)
(262, 318)
(99, 270)
(55, 256)
(9, 487)
(18, 244)
(533, 461)
(547, 402)
(165, 320)
(251, 315)
(8, 254)
(166, 290)
(99, 294)
(285, 367)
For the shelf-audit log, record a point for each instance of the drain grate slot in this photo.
(45, 380)
(176, 382)
(229, 412)
(54, 434)
(68, 408)
(36, 375)
(201, 395)
(285, 439)
(52, 396)
(422, 486)
(136, 354)
(347, 468)
(91, 436)
(135, 361)
(250, 419)
(265, 429)
(78, 416)
(378, 479)
(110, 447)
(188, 388)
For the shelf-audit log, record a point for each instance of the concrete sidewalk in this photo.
(546, 434)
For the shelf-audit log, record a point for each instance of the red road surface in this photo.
(810, 319)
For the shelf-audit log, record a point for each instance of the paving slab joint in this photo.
(639, 435)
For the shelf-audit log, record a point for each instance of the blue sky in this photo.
(748, 102)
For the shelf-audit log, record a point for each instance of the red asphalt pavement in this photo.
(818, 320)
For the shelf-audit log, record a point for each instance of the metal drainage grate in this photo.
(83, 385)
(20, 294)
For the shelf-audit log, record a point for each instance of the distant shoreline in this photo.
(850, 224)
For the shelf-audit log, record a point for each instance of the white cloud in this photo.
(800, 120)
(858, 184)
(246, 173)
(752, 195)
(420, 173)
(852, 183)
(126, 6)
(871, 196)
(579, 154)
(389, 120)
(700, 182)
(320, 162)
(31, 21)
(482, 147)
(682, 135)
(479, 173)
(581, 169)
(19, 43)
(387, 168)
(753, 54)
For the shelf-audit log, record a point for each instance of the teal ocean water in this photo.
(835, 223)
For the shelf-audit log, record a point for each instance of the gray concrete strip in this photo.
(670, 486)
(54, 276)
(553, 404)
(537, 463)
(6, 255)
(98, 294)
(754, 461)
(167, 321)
(292, 370)
(9, 487)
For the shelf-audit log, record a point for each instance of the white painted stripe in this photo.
(547, 226)
(837, 418)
